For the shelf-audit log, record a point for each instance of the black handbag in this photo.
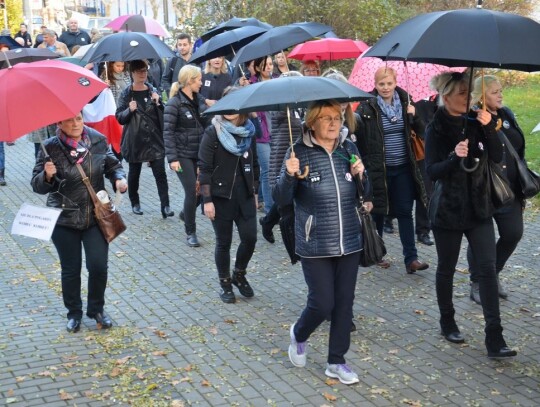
(528, 179)
(501, 193)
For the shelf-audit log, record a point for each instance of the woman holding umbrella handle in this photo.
(460, 205)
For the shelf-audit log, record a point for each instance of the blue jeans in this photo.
(263, 153)
(2, 156)
(401, 195)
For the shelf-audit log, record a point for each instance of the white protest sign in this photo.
(35, 221)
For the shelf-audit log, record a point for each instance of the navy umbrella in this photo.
(466, 37)
(226, 43)
(235, 22)
(13, 57)
(10, 42)
(278, 39)
(128, 46)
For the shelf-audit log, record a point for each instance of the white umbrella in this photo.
(81, 52)
(537, 128)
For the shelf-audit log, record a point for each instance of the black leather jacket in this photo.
(67, 191)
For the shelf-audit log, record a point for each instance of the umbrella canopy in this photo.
(235, 22)
(287, 92)
(278, 39)
(59, 91)
(73, 60)
(414, 77)
(81, 52)
(226, 43)
(138, 23)
(537, 128)
(468, 37)
(10, 42)
(128, 46)
(328, 49)
(19, 55)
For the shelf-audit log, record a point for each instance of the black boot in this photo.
(450, 330)
(496, 345)
(166, 212)
(2, 179)
(239, 280)
(191, 236)
(226, 294)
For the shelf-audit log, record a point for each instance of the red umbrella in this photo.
(36, 94)
(328, 49)
(414, 77)
(138, 23)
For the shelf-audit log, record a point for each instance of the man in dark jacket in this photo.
(183, 53)
(73, 36)
(25, 35)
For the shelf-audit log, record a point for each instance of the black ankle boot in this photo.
(239, 280)
(496, 345)
(450, 330)
(226, 294)
(166, 212)
(2, 179)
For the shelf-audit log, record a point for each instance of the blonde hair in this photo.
(476, 94)
(187, 74)
(445, 83)
(315, 108)
(349, 114)
(223, 69)
(383, 72)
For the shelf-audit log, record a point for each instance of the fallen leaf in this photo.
(20, 378)
(123, 360)
(185, 379)
(188, 368)
(275, 351)
(523, 309)
(536, 315)
(213, 330)
(106, 395)
(393, 351)
(205, 383)
(88, 393)
(151, 386)
(159, 353)
(230, 321)
(46, 373)
(177, 403)
(329, 397)
(419, 312)
(379, 319)
(161, 334)
(378, 390)
(11, 400)
(495, 392)
(115, 372)
(64, 395)
(331, 382)
(414, 403)
(10, 393)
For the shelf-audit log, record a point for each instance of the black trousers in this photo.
(134, 175)
(482, 244)
(68, 243)
(331, 283)
(223, 228)
(420, 213)
(509, 222)
(188, 178)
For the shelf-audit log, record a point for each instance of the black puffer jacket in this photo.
(280, 141)
(218, 167)
(458, 196)
(67, 191)
(325, 202)
(370, 143)
(184, 126)
(142, 135)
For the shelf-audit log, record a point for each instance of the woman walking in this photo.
(460, 204)
(229, 177)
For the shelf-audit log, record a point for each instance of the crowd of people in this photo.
(233, 165)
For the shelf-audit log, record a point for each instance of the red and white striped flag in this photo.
(100, 115)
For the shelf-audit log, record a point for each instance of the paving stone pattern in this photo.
(175, 343)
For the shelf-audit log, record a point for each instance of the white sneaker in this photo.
(342, 372)
(297, 350)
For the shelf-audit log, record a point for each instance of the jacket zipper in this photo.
(340, 216)
(90, 181)
(387, 200)
(234, 177)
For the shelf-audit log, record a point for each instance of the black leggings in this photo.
(134, 175)
(510, 226)
(482, 243)
(188, 178)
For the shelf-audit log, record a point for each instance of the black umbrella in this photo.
(128, 46)
(467, 37)
(10, 42)
(235, 22)
(226, 43)
(13, 57)
(290, 92)
(279, 38)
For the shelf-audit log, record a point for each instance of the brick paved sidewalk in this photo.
(175, 343)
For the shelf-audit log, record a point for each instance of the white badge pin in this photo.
(348, 177)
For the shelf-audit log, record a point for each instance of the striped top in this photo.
(395, 149)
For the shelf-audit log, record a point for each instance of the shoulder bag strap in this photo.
(510, 147)
(86, 181)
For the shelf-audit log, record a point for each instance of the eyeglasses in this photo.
(330, 119)
(142, 70)
(315, 70)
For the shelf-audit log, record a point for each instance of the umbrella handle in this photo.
(469, 169)
(302, 175)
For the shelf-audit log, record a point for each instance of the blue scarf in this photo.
(226, 132)
(394, 111)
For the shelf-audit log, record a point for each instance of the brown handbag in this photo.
(108, 218)
(417, 145)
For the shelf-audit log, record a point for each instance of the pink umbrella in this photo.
(138, 23)
(413, 77)
(328, 49)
